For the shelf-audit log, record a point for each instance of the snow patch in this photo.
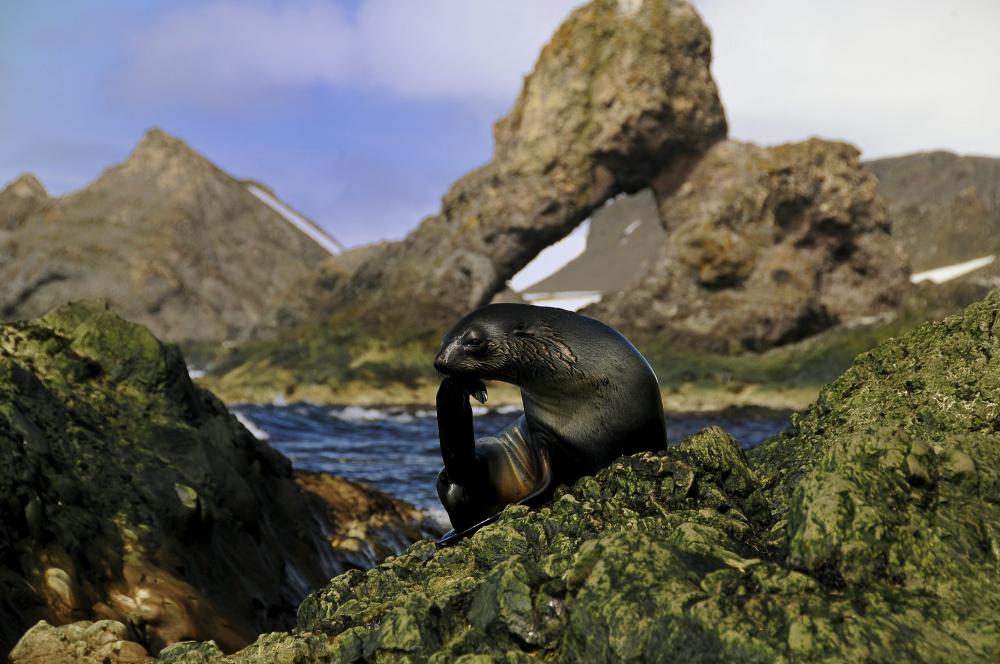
(569, 300)
(295, 219)
(250, 426)
(631, 228)
(552, 259)
(940, 275)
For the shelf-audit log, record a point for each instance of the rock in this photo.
(945, 208)
(620, 94)
(84, 642)
(869, 531)
(314, 296)
(167, 237)
(365, 525)
(131, 494)
(765, 246)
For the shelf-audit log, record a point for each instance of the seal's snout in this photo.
(448, 362)
(441, 362)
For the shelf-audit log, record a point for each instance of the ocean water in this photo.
(396, 449)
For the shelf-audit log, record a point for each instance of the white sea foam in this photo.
(357, 414)
(257, 432)
(439, 517)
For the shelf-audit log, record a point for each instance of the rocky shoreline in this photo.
(865, 532)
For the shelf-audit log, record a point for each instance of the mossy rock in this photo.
(127, 492)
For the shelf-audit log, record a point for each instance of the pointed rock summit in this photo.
(19, 199)
(25, 185)
(170, 239)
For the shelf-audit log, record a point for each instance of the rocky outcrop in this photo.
(765, 246)
(167, 237)
(866, 532)
(84, 642)
(128, 493)
(945, 208)
(621, 94)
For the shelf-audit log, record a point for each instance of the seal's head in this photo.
(508, 342)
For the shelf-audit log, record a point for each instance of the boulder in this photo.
(765, 246)
(868, 531)
(128, 493)
(84, 642)
(622, 93)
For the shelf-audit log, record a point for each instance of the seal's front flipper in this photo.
(472, 385)
(458, 440)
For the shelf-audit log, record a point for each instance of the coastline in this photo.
(686, 398)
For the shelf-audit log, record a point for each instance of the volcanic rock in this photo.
(765, 246)
(620, 94)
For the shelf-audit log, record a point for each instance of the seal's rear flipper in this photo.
(451, 537)
(539, 496)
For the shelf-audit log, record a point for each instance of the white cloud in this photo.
(225, 53)
(890, 76)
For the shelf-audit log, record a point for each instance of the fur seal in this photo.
(589, 397)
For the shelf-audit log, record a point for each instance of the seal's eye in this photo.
(474, 343)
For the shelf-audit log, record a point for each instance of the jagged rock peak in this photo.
(159, 151)
(25, 185)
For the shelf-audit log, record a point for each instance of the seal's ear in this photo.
(522, 329)
(549, 346)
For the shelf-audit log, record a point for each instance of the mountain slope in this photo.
(623, 235)
(172, 242)
(945, 208)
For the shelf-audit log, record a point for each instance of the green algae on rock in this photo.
(870, 531)
(127, 492)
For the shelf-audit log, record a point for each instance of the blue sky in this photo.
(361, 113)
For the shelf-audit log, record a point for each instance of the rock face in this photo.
(869, 531)
(621, 94)
(945, 208)
(128, 493)
(315, 297)
(765, 246)
(171, 240)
